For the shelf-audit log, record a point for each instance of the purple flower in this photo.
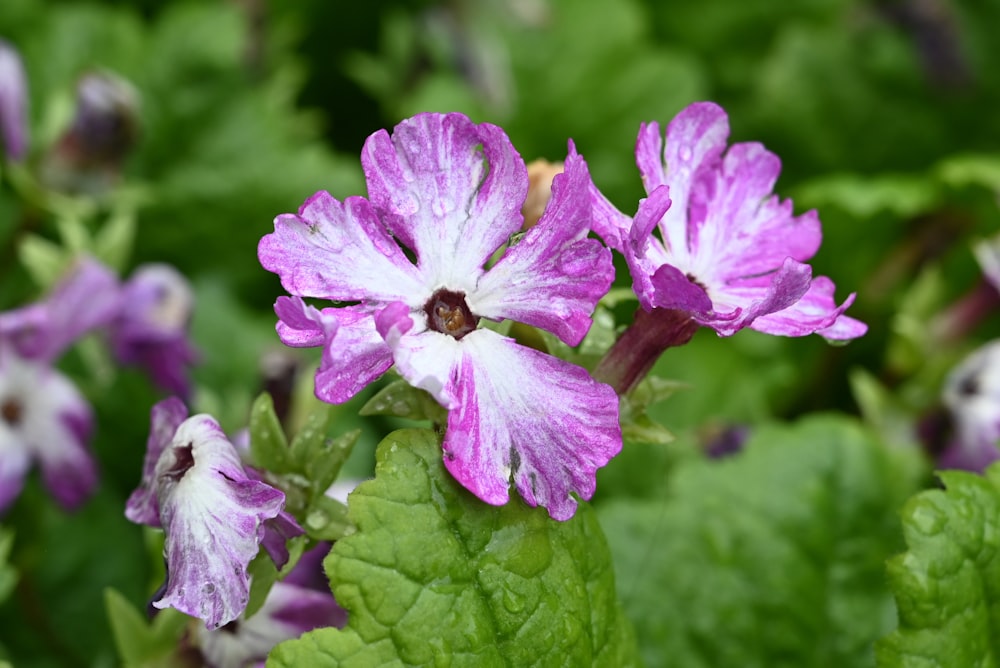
(152, 327)
(43, 417)
(972, 396)
(730, 253)
(13, 103)
(214, 514)
(449, 193)
(291, 608)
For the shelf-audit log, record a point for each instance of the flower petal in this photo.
(815, 312)
(554, 277)
(13, 103)
(425, 358)
(164, 418)
(696, 138)
(643, 252)
(746, 231)
(532, 416)
(338, 251)
(15, 460)
(449, 189)
(610, 224)
(58, 429)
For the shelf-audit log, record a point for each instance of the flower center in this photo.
(448, 313)
(11, 411)
(183, 460)
(694, 279)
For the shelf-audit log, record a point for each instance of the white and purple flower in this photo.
(152, 328)
(215, 515)
(43, 417)
(448, 193)
(972, 396)
(730, 254)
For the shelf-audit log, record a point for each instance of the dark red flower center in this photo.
(183, 461)
(11, 411)
(448, 313)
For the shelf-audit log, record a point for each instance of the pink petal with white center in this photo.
(696, 138)
(746, 231)
(530, 416)
(354, 354)
(425, 358)
(554, 277)
(338, 250)
(816, 312)
(164, 418)
(213, 516)
(449, 189)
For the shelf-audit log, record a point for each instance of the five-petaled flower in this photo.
(215, 515)
(410, 262)
(43, 416)
(730, 254)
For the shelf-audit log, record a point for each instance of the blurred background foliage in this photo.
(882, 111)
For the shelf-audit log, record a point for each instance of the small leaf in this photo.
(433, 576)
(400, 399)
(947, 584)
(326, 519)
(268, 446)
(325, 457)
(113, 242)
(140, 642)
(44, 260)
(8, 575)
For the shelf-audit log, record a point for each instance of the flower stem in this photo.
(637, 349)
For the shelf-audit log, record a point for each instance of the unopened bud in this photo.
(540, 175)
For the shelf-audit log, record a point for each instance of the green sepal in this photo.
(8, 574)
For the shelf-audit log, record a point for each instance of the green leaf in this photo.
(113, 242)
(326, 519)
(770, 558)
(435, 576)
(44, 260)
(141, 642)
(268, 445)
(947, 584)
(263, 573)
(8, 575)
(400, 399)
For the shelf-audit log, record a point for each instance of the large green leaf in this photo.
(947, 585)
(770, 558)
(435, 576)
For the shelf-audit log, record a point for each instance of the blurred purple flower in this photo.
(972, 396)
(152, 328)
(730, 254)
(13, 102)
(450, 193)
(214, 514)
(43, 417)
(292, 607)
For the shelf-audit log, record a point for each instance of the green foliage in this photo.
(773, 557)
(8, 574)
(142, 642)
(434, 575)
(947, 583)
(306, 468)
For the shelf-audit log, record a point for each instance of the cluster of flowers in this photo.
(436, 250)
(43, 417)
